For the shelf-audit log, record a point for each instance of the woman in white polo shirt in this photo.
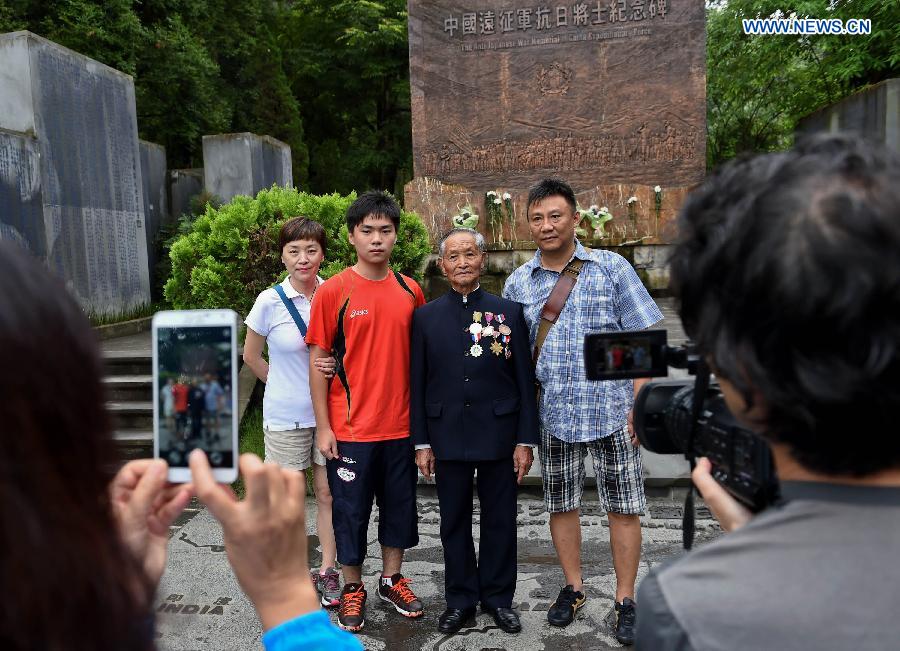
(278, 319)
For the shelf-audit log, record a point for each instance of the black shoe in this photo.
(626, 615)
(453, 619)
(562, 612)
(506, 618)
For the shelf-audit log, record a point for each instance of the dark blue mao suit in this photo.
(473, 401)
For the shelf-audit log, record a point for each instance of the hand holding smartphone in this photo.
(195, 382)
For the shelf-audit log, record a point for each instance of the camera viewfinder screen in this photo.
(610, 356)
(194, 394)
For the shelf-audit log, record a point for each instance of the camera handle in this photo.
(701, 384)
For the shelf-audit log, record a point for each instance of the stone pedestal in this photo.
(70, 171)
(244, 163)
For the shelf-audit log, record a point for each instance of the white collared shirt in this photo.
(287, 403)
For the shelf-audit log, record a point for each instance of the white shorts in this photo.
(293, 448)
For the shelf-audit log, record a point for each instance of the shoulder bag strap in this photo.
(555, 303)
(292, 310)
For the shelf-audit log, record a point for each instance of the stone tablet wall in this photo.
(21, 204)
(156, 202)
(82, 119)
(244, 163)
(874, 113)
(184, 185)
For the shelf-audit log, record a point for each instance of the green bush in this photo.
(230, 253)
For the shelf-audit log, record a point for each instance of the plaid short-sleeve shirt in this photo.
(608, 296)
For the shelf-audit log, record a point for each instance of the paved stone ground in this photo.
(200, 606)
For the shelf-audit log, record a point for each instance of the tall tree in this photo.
(349, 64)
(759, 87)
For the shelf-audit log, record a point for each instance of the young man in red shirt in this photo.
(362, 316)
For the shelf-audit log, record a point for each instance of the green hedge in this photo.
(231, 254)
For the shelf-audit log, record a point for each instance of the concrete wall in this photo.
(874, 112)
(244, 163)
(184, 185)
(80, 116)
(156, 202)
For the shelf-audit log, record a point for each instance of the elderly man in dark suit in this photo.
(473, 411)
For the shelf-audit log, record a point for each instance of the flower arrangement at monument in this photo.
(499, 209)
(632, 200)
(596, 217)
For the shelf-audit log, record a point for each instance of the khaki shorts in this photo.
(293, 448)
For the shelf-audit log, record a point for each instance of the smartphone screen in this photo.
(194, 392)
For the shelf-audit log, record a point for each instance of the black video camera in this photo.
(684, 416)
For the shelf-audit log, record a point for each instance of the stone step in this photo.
(129, 388)
(131, 415)
(128, 363)
(134, 444)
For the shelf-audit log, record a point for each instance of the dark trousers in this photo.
(381, 470)
(492, 578)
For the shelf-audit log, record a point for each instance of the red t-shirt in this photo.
(180, 392)
(367, 325)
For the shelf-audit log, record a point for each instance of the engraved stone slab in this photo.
(21, 207)
(244, 163)
(505, 92)
(83, 119)
(156, 203)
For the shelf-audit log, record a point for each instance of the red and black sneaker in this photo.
(396, 592)
(352, 609)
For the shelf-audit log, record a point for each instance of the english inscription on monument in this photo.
(507, 91)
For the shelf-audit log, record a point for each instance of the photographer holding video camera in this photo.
(788, 276)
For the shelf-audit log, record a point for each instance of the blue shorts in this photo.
(385, 471)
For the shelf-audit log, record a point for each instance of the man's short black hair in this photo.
(376, 203)
(787, 271)
(551, 187)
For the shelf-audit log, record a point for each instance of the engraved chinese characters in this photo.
(600, 92)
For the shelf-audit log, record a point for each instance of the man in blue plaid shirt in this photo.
(578, 416)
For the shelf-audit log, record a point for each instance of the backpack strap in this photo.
(292, 309)
(403, 284)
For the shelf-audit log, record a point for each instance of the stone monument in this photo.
(70, 171)
(184, 185)
(156, 202)
(244, 163)
(610, 96)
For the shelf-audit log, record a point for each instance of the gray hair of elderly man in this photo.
(479, 238)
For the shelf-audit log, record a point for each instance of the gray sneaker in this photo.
(329, 586)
